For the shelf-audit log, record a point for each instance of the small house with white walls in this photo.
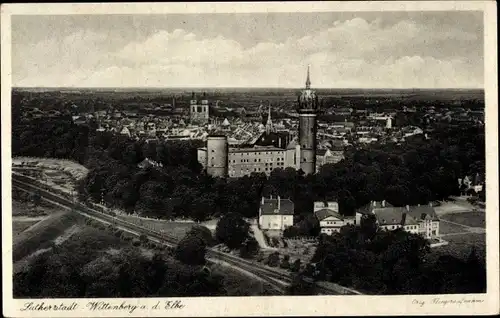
(329, 218)
(275, 213)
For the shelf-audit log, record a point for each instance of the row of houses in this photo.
(276, 214)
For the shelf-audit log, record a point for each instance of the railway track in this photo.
(279, 281)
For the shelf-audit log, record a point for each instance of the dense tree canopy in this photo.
(416, 171)
(393, 262)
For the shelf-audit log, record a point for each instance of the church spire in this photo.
(308, 80)
(269, 123)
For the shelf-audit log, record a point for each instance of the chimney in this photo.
(262, 200)
(374, 204)
(279, 203)
(430, 204)
(403, 219)
(407, 208)
(383, 203)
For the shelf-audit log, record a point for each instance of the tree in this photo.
(295, 267)
(35, 198)
(203, 233)
(301, 286)
(273, 259)
(232, 230)
(249, 248)
(368, 226)
(191, 250)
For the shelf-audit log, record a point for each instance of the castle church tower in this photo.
(308, 107)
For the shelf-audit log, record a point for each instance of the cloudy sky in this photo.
(344, 50)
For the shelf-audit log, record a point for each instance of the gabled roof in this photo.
(367, 208)
(393, 216)
(270, 207)
(326, 213)
(423, 212)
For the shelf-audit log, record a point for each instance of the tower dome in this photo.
(308, 98)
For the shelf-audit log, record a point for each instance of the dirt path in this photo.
(67, 234)
(28, 218)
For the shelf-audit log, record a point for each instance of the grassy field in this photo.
(449, 228)
(473, 219)
(461, 245)
(177, 229)
(237, 284)
(19, 227)
(42, 234)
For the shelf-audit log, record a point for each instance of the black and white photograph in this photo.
(197, 155)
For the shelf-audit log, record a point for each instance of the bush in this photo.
(118, 233)
(249, 248)
(191, 250)
(143, 238)
(136, 242)
(307, 251)
(260, 257)
(275, 241)
(232, 230)
(295, 267)
(285, 264)
(203, 233)
(273, 259)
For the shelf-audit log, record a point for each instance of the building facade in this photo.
(417, 219)
(275, 213)
(329, 218)
(216, 156)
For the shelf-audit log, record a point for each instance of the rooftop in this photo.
(270, 207)
(393, 216)
(325, 213)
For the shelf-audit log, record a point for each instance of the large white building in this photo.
(417, 219)
(275, 213)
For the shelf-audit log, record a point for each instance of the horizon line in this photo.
(243, 87)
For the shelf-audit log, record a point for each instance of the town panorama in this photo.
(172, 192)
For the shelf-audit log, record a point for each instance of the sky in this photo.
(343, 49)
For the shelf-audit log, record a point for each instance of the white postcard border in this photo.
(277, 305)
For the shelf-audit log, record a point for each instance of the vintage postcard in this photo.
(249, 159)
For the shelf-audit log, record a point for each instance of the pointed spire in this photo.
(308, 80)
(269, 123)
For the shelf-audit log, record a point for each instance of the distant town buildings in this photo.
(199, 111)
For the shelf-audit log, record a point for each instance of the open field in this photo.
(472, 219)
(177, 229)
(449, 228)
(461, 245)
(42, 234)
(19, 227)
(237, 284)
